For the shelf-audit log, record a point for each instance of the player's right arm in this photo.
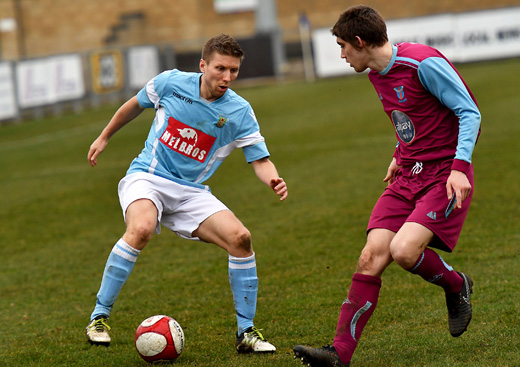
(126, 113)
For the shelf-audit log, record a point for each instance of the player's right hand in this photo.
(391, 171)
(95, 150)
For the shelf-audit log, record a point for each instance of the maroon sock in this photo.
(432, 268)
(355, 313)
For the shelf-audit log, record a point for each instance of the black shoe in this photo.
(459, 307)
(319, 357)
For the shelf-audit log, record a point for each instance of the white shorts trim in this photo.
(180, 208)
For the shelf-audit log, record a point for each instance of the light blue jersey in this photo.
(190, 137)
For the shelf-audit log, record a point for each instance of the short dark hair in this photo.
(223, 44)
(364, 22)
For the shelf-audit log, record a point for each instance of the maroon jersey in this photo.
(434, 113)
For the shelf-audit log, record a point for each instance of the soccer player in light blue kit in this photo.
(199, 121)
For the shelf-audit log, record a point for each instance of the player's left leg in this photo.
(225, 230)
(409, 250)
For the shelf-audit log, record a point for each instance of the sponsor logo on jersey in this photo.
(186, 140)
(400, 93)
(182, 98)
(403, 126)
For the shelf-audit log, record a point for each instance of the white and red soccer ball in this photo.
(159, 338)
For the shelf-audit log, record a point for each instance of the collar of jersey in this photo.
(392, 60)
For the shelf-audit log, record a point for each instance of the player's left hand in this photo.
(458, 185)
(279, 187)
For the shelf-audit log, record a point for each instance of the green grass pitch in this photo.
(332, 142)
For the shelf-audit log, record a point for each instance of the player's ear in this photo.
(359, 43)
(202, 65)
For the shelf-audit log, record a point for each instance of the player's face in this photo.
(219, 71)
(357, 58)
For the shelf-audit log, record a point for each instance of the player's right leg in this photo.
(141, 219)
(358, 307)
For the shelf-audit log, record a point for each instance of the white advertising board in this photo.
(464, 37)
(233, 6)
(143, 65)
(69, 81)
(8, 107)
(488, 35)
(327, 55)
(436, 31)
(45, 81)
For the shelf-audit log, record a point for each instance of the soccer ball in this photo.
(159, 338)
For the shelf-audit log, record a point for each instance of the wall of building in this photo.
(48, 27)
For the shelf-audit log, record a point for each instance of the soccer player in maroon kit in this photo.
(430, 177)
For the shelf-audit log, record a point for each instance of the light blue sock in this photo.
(117, 270)
(244, 285)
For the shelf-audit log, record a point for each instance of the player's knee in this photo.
(240, 242)
(403, 253)
(366, 260)
(140, 234)
(375, 257)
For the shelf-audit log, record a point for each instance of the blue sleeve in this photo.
(251, 141)
(441, 80)
(256, 152)
(150, 95)
(143, 99)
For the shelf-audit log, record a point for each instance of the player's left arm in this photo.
(266, 171)
(440, 79)
(257, 154)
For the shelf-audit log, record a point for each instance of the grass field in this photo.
(331, 141)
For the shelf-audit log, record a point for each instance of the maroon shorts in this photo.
(418, 194)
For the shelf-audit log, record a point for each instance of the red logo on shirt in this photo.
(186, 140)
